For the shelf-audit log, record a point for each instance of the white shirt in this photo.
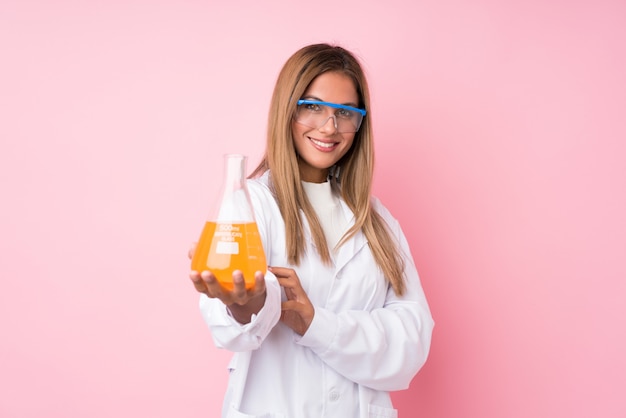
(363, 342)
(328, 208)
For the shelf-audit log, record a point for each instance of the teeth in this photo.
(323, 144)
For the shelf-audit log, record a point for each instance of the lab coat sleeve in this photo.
(383, 348)
(226, 331)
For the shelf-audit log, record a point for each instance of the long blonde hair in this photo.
(356, 167)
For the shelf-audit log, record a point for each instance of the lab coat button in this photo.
(333, 395)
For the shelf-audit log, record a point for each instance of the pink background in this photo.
(500, 147)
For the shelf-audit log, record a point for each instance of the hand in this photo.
(297, 311)
(206, 282)
(241, 302)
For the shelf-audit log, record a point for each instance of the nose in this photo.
(324, 126)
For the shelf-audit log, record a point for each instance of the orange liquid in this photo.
(225, 247)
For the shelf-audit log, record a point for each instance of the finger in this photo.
(213, 288)
(239, 293)
(198, 283)
(208, 278)
(295, 293)
(192, 250)
(259, 282)
(286, 277)
(282, 272)
(289, 283)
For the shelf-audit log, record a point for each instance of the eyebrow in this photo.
(351, 104)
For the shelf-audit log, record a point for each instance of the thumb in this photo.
(192, 250)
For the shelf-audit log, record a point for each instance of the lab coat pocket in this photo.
(375, 411)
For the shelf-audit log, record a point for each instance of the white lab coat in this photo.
(364, 340)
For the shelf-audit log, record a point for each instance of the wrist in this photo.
(243, 312)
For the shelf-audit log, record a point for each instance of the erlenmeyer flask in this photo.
(230, 239)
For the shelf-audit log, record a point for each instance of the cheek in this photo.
(348, 142)
(296, 131)
(348, 139)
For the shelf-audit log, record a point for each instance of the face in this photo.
(322, 147)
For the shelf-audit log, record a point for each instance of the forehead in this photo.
(333, 87)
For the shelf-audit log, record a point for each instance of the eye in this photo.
(313, 107)
(345, 113)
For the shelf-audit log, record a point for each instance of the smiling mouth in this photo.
(322, 144)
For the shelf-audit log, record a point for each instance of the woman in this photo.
(340, 319)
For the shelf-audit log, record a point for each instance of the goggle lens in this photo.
(315, 114)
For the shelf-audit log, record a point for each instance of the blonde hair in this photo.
(356, 167)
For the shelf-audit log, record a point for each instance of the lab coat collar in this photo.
(351, 247)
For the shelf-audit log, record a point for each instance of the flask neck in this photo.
(235, 171)
(235, 205)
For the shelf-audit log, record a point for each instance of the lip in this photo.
(323, 145)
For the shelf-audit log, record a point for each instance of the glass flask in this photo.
(230, 239)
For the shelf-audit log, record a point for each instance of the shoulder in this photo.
(380, 208)
(260, 190)
(385, 213)
(259, 185)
